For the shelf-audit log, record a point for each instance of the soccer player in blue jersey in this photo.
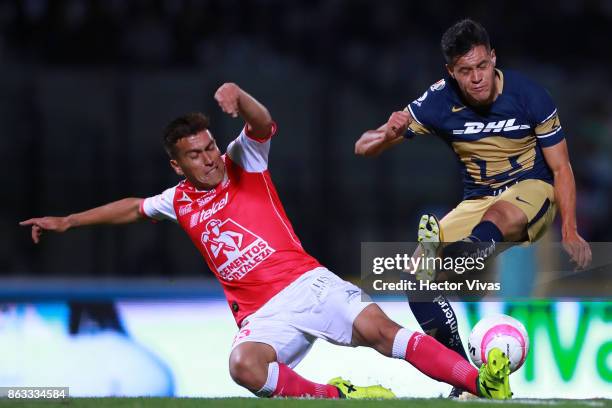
(506, 133)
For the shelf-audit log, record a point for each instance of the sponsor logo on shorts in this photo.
(351, 294)
(519, 199)
(241, 335)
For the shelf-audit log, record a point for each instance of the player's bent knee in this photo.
(247, 369)
(510, 220)
(496, 216)
(244, 373)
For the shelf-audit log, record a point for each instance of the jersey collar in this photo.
(499, 74)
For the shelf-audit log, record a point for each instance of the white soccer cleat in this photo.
(429, 237)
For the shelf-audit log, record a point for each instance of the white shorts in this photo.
(317, 305)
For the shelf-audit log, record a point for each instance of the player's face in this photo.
(475, 75)
(198, 159)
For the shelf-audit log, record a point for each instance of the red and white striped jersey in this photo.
(240, 227)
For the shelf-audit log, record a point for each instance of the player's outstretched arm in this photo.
(118, 212)
(234, 101)
(557, 159)
(374, 142)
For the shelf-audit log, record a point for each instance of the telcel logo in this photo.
(214, 208)
(495, 127)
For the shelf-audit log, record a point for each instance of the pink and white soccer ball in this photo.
(501, 331)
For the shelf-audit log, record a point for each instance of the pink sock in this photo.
(434, 360)
(284, 382)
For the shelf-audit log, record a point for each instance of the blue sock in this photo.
(480, 243)
(486, 231)
(437, 318)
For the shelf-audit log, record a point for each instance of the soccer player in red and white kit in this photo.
(281, 297)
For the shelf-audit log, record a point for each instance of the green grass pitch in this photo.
(298, 403)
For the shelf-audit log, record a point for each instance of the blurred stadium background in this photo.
(89, 85)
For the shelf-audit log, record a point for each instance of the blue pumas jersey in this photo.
(497, 146)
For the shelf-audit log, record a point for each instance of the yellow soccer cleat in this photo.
(493, 376)
(350, 391)
(429, 237)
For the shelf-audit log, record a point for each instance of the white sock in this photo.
(400, 343)
(270, 385)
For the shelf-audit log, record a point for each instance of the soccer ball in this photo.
(501, 331)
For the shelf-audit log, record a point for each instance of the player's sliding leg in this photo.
(282, 381)
(280, 334)
(435, 314)
(374, 329)
(253, 365)
(437, 319)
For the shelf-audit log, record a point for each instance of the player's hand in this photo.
(577, 248)
(228, 97)
(397, 124)
(39, 225)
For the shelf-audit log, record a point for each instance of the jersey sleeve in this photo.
(251, 153)
(160, 207)
(544, 117)
(421, 110)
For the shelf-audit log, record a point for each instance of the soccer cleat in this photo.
(493, 376)
(350, 391)
(460, 395)
(455, 393)
(429, 237)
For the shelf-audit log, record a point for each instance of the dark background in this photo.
(87, 87)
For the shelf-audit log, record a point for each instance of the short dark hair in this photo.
(459, 39)
(183, 126)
